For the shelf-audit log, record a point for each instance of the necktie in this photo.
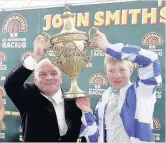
(60, 116)
(52, 100)
(114, 126)
(116, 91)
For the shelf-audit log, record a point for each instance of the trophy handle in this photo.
(90, 38)
(93, 29)
(47, 38)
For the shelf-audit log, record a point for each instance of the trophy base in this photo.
(72, 95)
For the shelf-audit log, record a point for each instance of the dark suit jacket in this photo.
(39, 119)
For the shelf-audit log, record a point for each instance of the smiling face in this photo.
(47, 77)
(118, 72)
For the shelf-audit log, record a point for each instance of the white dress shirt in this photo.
(56, 99)
(58, 103)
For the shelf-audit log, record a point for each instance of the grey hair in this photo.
(39, 64)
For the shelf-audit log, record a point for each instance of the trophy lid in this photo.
(67, 12)
(68, 25)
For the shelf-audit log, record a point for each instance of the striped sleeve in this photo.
(149, 72)
(89, 128)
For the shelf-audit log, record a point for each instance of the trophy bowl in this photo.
(70, 51)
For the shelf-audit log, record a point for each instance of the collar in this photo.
(124, 88)
(107, 93)
(57, 97)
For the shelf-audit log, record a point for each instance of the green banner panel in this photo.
(139, 23)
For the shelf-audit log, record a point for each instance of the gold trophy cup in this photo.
(69, 49)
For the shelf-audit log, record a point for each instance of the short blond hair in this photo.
(110, 59)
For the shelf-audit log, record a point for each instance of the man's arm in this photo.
(15, 88)
(149, 66)
(89, 128)
(149, 71)
(14, 84)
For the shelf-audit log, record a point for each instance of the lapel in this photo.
(68, 114)
(66, 107)
(47, 105)
(41, 100)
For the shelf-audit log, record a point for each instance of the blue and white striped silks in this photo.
(138, 105)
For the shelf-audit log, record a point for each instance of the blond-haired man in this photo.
(124, 113)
